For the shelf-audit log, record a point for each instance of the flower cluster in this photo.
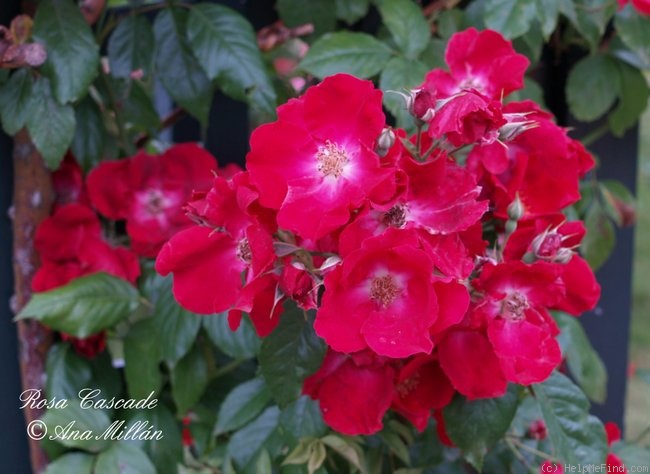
(145, 191)
(432, 260)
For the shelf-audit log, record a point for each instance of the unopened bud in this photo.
(513, 129)
(516, 209)
(423, 104)
(385, 141)
(537, 430)
(548, 246)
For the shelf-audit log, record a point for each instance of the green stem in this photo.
(229, 367)
(128, 147)
(536, 452)
(595, 135)
(519, 456)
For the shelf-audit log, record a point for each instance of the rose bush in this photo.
(392, 281)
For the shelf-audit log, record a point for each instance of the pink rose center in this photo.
(408, 385)
(155, 202)
(244, 251)
(331, 159)
(472, 82)
(384, 290)
(395, 217)
(514, 306)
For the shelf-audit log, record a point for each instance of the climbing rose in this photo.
(483, 61)
(148, 191)
(316, 162)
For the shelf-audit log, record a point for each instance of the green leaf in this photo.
(124, 458)
(351, 11)
(475, 426)
(347, 449)
(106, 377)
(531, 91)
(179, 71)
(400, 75)
(289, 354)
(85, 306)
(243, 343)
(634, 29)
(246, 443)
(407, 25)
(396, 446)
(88, 143)
(592, 86)
(577, 437)
(50, 124)
(583, 361)
(600, 238)
(632, 454)
(72, 53)
(591, 18)
(358, 54)
(67, 373)
(189, 379)
(632, 100)
(142, 359)
(512, 18)
(531, 43)
(139, 111)
(548, 12)
(16, 101)
(302, 418)
(225, 44)
(131, 46)
(79, 463)
(76, 427)
(449, 22)
(320, 13)
(434, 55)
(167, 452)
(242, 404)
(178, 327)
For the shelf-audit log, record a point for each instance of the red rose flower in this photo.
(483, 61)
(519, 327)
(70, 245)
(317, 160)
(542, 166)
(366, 383)
(467, 118)
(552, 239)
(421, 387)
(469, 361)
(68, 183)
(210, 259)
(149, 191)
(381, 296)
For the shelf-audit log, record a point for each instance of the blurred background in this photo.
(637, 412)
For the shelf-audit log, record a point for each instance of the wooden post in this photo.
(32, 202)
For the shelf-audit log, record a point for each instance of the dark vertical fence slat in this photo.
(609, 325)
